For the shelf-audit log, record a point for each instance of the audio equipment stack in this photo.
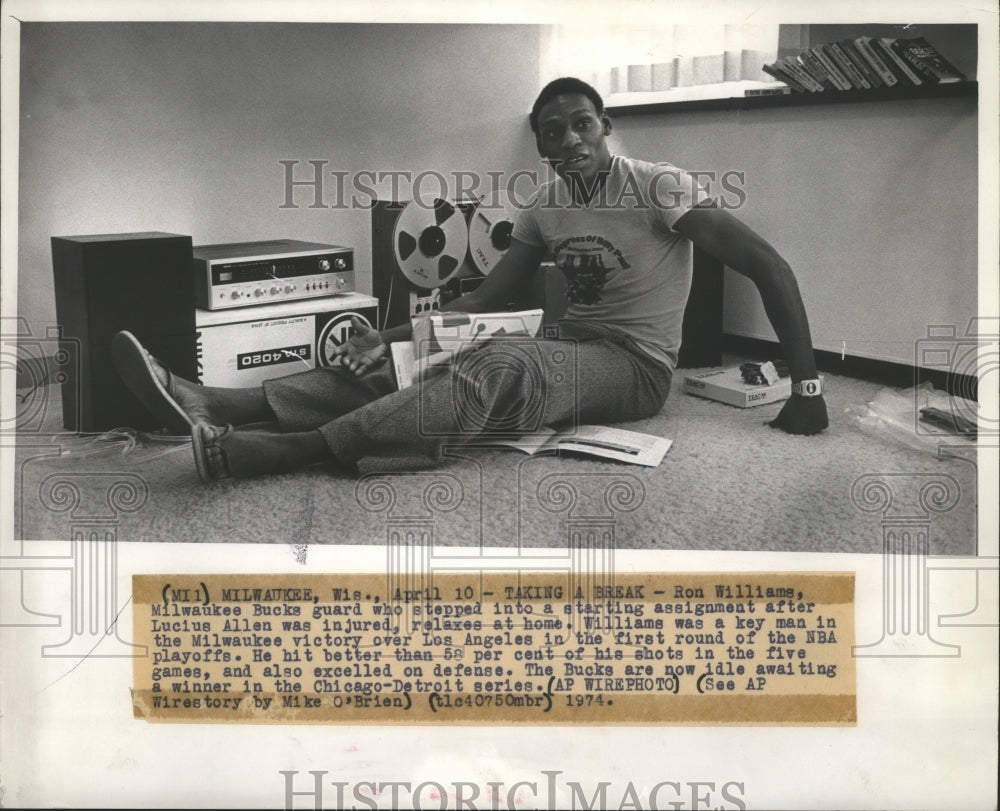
(270, 308)
(224, 315)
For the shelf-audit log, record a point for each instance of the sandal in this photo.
(135, 366)
(210, 456)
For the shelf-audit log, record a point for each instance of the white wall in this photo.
(873, 204)
(180, 127)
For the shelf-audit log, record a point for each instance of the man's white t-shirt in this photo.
(625, 266)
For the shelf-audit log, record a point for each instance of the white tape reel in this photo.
(430, 243)
(489, 230)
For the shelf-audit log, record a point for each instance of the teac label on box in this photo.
(288, 354)
(245, 354)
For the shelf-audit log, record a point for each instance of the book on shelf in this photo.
(793, 68)
(838, 55)
(927, 61)
(851, 51)
(782, 90)
(870, 51)
(834, 72)
(812, 64)
(776, 72)
(864, 63)
(897, 64)
(593, 440)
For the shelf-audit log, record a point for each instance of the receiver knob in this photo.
(289, 288)
(324, 264)
(340, 263)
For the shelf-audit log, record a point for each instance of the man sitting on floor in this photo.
(622, 232)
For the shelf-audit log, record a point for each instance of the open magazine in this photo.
(438, 337)
(594, 440)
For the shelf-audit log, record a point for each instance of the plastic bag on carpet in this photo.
(121, 442)
(922, 418)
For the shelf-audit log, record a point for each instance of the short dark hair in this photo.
(562, 87)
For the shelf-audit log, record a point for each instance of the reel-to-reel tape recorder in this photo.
(425, 255)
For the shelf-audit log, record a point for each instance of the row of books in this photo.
(865, 63)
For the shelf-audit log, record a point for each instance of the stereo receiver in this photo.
(242, 274)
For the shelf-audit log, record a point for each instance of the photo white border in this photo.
(926, 734)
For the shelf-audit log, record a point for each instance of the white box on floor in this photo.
(728, 386)
(245, 346)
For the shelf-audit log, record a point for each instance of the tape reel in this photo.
(490, 228)
(430, 243)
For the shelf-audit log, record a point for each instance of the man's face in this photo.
(571, 137)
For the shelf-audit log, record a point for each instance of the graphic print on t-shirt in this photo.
(585, 262)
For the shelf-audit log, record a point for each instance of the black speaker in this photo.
(388, 284)
(104, 283)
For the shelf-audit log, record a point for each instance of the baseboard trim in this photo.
(889, 373)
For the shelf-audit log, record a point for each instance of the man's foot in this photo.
(152, 384)
(178, 403)
(226, 452)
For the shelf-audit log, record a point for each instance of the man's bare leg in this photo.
(178, 403)
(219, 406)
(210, 413)
(224, 452)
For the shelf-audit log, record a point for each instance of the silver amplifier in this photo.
(243, 274)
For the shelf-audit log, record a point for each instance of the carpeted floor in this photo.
(728, 483)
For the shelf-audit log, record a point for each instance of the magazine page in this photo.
(594, 440)
(401, 353)
(546, 439)
(615, 443)
(440, 336)
(453, 330)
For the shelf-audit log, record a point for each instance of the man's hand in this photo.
(363, 350)
(802, 415)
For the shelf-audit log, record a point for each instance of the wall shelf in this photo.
(952, 90)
